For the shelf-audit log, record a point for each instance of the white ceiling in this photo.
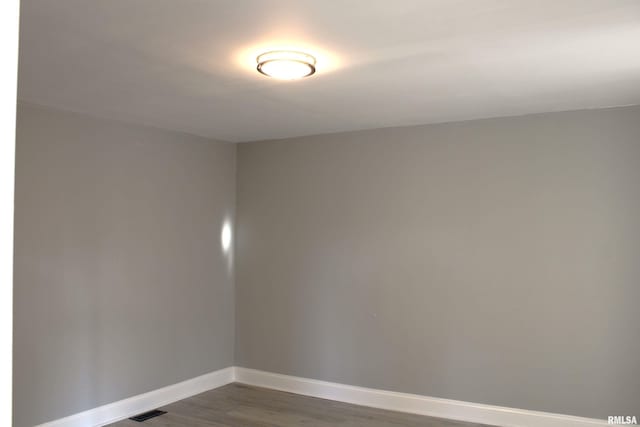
(189, 64)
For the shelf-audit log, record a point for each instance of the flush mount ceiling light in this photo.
(286, 64)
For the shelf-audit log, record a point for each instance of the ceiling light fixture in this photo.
(286, 64)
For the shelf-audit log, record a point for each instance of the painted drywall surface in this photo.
(121, 285)
(492, 261)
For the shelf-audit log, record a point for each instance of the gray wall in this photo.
(121, 286)
(492, 261)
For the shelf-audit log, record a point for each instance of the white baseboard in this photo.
(395, 401)
(126, 408)
(412, 403)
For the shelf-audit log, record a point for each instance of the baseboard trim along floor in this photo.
(403, 402)
(126, 408)
(412, 403)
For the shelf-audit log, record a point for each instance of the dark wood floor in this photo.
(239, 405)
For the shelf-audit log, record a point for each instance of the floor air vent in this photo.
(147, 415)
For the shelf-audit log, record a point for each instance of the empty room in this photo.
(356, 213)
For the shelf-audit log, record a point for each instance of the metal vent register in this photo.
(147, 415)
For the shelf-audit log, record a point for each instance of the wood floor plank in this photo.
(240, 405)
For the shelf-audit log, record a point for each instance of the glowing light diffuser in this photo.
(286, 64)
